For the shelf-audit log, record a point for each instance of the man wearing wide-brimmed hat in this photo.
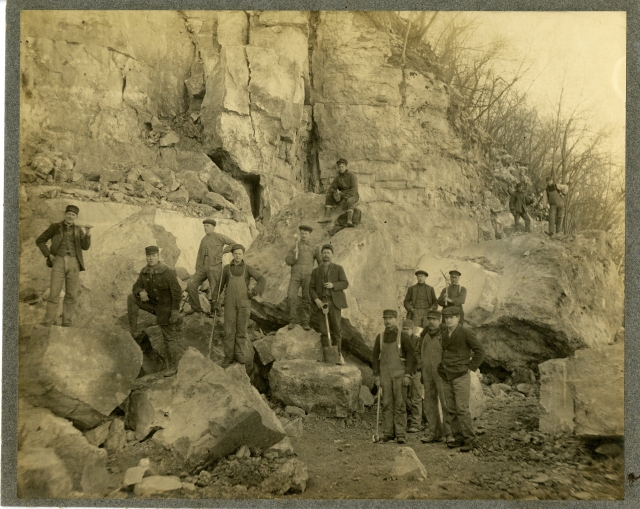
(64, 256)
(420, 298)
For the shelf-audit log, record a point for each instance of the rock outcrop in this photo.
(584, 393)
(79, 374)
(203, 413)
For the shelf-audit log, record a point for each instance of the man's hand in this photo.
(325, 308)
(376, 381)
(252, 293)
(406, 381)
(449, 300)
(52, 258)
(318, 303)
(144, 296)
(175, 316)
(217, 307)
(87, 230)
(328, 285)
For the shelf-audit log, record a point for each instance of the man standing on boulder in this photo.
(65, 259)
(428, 351)
(158, 292)
(208, 264)
(343, 191)
(326, 288)
(413, 392)
(301, 258)
(553, 198)
(237, 307)
(420, 299)
(454, 294)
(518, 204)
(459, 344)
(393, 365)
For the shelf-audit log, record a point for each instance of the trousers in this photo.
(213, 273)
(413, 398)
(419, 316)
(556, 215)
(434, 394)
(170, 335)
(237, 311)
(394, 410)
(345, 203)
(527, 220)
(299, 280)
(457, 415)
(65, 271)
(335, 315)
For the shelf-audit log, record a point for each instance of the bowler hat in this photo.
(72, 208)
(151, 250)
(426, 274)
(327, 246)
(305, 227)
(455, 273)
(408, 324)
(237, 246)
(451, 311)
(434, 314)
(209, 221)
(389, 313)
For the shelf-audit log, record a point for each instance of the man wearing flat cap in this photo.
(342, 192)
(326, 288)
(301, 259)
(236, 278)
(428, 351)
(459, 344)
(454, 294)
(393, 365)
(64, 256)
(158, 292)
(208, 264)
(413, 392)
(420, 298)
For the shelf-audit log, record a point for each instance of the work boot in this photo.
(468, 446)
(340, 361)
(453, 443)
(386, 439)
(306, 326)
(401, 440)
(349, 217)
(428, 439)
(172, 369)
(226, 363)
(413, 429)
(291, 326)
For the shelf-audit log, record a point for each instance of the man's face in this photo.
(408, 330)
(433, 323)
(549, 182)
(421, 278)
(208, 228)
(389, 322)
(238, 254)
(70, 217)
(451, 321)
(304, 235)
(153, 259)
(342, 168)
(327, 255)
(454, 279)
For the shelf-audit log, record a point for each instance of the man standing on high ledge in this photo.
(342, 192)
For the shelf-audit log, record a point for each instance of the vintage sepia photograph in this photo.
(321, 255)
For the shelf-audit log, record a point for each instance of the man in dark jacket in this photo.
(64, 256)
(326, 288)
(236, 278)
(158, 292)
(553, 198)
(454, 294)
(518, 205)
(301, 259)
(393, 365)
(420, 299)
(343, 191)
(413, 393)
(459, 344)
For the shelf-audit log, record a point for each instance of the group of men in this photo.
(552, 199)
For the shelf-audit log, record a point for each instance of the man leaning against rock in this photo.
(343, 192)
(158, 292)
(64, 256)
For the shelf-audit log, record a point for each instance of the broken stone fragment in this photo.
(98, 435)
(157, 485)
(282, 448)
(291, 476)
(170, 139)
(407, 466)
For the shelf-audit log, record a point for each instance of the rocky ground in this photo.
(513, 461)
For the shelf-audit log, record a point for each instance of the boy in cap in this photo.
(518, 204)
(326, 288)
(413, 392)
(237, 307)
(343, 191)
(301, 259)
(420, 298)
(553, 198)
(393, 365)
(459, 344)
(454, 294)
(64, 256)
(158, 292)
(208, 264)
(428, 353)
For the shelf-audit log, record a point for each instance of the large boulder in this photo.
(316, 386)
(531, 298)
(54, 459)
(203, 413)
(584, 393)
(79, 374)
(289, 344)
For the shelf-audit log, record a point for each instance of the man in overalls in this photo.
(428, 355)
(454, 294)
(237, 307)
(553, 198)
(393, 365)
(208, 264)
(301, 258)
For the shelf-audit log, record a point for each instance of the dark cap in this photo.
(389, 313)
(519, 185)
(549, 177)
(305, 227)
(455, 273)
(451, 311)
(327, 246)
(434, 314)
(72, 208)
(209, 221)
(422, 272)
(342, 161)
(151, 250)
(408, 324)
(237, 246)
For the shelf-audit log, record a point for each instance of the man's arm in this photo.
(138, 286)
(341, 283)
(433, 301)
(261, 282)
(476, 348)
(333, 186)
(85, 240)
(407, 299)
(352, 190)
(290, 259)
(225, 278)
(417, 350)
(200, 257)
(443, 294)
(462, 296)
(42, 240)
(545, 199)
(408, 351)
(313, 294)
(512, 203)
(375, 361)
(175, 289)
(563, 188)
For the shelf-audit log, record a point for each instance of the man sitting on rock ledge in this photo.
(342, 192)
(158, 292)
